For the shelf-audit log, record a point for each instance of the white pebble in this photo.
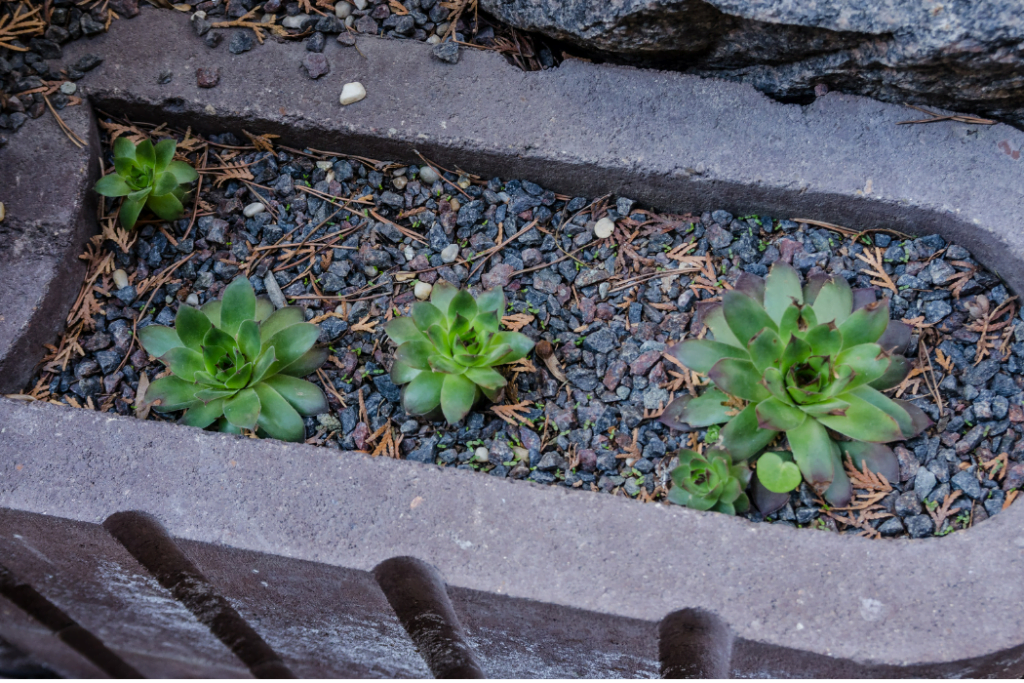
(120, 278)
(409, 253)
(482, 454)
(342, 10)
(268, 19)
(428, 175)
(324, 165)
(399, 182)
(352, 92)
(450, 253)
(360, 4)
(399, 171)
(253, 209)
(200, 14)
(68, 88)
(294, 22)
(192, 300)
(604, 228)
(350, 21)
(422, 290)
(434, 39)
(603, 289)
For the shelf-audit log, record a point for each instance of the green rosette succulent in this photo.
(239, 363)
(811, 361)
(448, 349)
(710, 482)
(147, 176)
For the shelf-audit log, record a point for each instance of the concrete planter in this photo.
(260, 558)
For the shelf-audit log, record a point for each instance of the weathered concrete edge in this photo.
(672, 141)
(50, 217)
(818, 604)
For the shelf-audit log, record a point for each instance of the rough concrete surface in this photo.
(37, 641)
(672, 141)
(50, 216)
(964, 56)
(798, 603)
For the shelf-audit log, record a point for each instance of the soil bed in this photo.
(348, 238)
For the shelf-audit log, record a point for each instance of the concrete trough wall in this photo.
(188, 553)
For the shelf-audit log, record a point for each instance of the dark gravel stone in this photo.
(425, 453)
(967, 482)
(907, 505)
(241, 41)
(981, 373)
(316, 42)
(446, 52)
(88, 63)
(920, 526)
(924, 483)
(387, 388)
(601, 341)
(935, 311)
(891, 527)
(108, 360)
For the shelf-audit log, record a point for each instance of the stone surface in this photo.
(843, 141)
(44, 231)
(965, 57)
(251, 495)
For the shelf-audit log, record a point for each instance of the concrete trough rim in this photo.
(834, 618)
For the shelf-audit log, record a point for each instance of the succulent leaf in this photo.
(277, 418)
(145, 154)
(714, 318)
(840, 492)
(203, 415)
(173, 393)
(742, 436)
(129, 212)
(183, 362)
(700, 355)
(305, 397)
(423, 394)
(812, 451)
(745, 316)
(238, 303)
(781, 290)
(691, 412)
(158, 339)
(866, 325)
(167, 207)
(765, 349)
(834, 301)
(778, 416)
(777, 472)
(739, 378)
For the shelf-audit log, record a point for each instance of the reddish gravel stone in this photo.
(644, 362)
(788, 249)
(207, 78)
(498, 276)
(613, 376)
(359, 435)
(588, 309)
(605, 311)
(315, 64)
(588, 460)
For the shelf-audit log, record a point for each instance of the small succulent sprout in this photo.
(810, 361)
(448, 349)
(239, 363)
(710, 482)
(147, 176)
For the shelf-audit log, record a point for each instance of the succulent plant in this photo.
(239, 363)
(147, 176)
(710, 482)
(808, 361)
(448, 349)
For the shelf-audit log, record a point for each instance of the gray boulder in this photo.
(962, 56)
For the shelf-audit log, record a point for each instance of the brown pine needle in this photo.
(511, 413)
(517, 321)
